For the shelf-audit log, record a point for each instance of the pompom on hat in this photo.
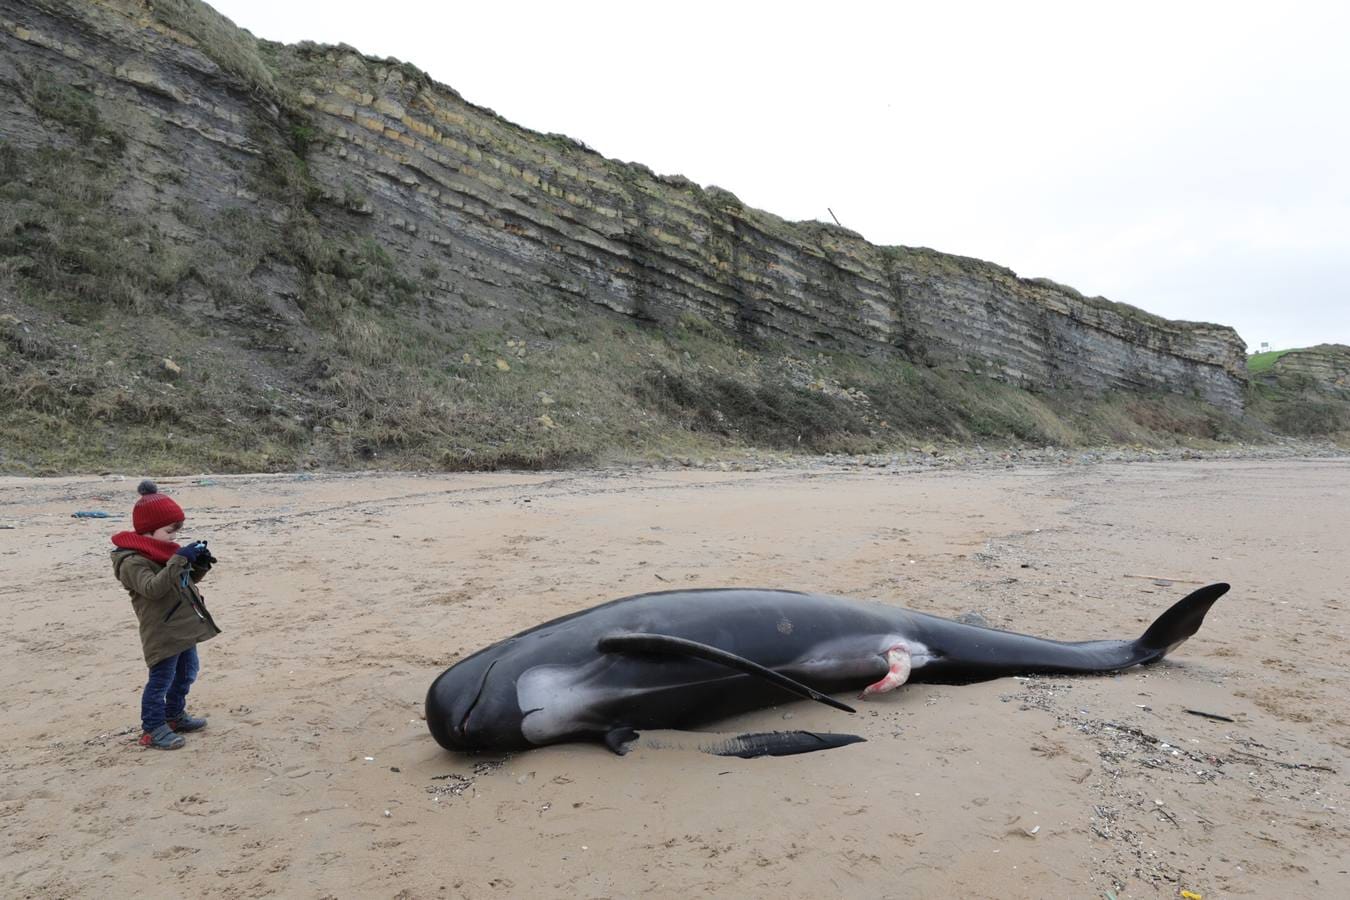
(154, 510)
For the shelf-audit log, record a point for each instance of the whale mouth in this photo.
(463, 728)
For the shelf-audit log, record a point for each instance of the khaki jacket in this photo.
(171, 610)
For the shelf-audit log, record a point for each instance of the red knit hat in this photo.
(154, 510)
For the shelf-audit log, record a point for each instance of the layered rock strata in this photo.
(1326, 366)
(502, 218)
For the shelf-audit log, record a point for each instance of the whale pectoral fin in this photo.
(618, 739)
(778, 743)
(666, 645)
(897, 673)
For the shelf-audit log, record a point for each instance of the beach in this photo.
(342, 596)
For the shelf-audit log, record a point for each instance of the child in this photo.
(161, 577)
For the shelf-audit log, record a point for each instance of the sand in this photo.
(343, 596)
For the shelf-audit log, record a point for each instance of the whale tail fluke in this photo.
(1182, 620)
(968, 653)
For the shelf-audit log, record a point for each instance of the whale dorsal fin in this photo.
(666, 645)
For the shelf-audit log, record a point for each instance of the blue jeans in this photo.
(165, 694)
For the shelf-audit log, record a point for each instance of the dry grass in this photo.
(1294, 405)
(232, 48)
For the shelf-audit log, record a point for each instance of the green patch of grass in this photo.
(303, 137)
(1258, 363)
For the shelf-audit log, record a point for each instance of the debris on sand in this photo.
(455, 784)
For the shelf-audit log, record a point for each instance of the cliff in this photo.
(513, 218)
(321, 215)
(510, 213)
(1325, 367)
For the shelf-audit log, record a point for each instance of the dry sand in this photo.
(343, 596)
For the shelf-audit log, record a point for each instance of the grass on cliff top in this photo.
(1294, 403)
(1262, 362)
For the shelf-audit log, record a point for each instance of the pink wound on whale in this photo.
(898, 663)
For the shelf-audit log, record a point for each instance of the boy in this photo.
(161, 577)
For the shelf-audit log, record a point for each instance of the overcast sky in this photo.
(1190, 159)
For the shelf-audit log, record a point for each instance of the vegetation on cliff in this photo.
(1302, 391)
(283, 333)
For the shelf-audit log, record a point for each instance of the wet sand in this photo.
(342, 597)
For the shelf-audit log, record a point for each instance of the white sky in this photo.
(1192, 159)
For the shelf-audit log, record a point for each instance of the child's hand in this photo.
(194, 551)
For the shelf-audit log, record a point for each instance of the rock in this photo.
(1327, 366)
(143, 76)
(438, 177)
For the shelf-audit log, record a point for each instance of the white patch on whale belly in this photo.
(560, 700)
(919, 654)
(823, 656)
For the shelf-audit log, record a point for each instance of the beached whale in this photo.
(679, 659)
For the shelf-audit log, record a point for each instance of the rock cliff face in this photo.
(1326, 366)
(214, 129)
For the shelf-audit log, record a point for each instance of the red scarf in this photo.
(159, 551)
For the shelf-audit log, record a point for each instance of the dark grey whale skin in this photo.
(832, 644)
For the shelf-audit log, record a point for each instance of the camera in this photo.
(204, 556)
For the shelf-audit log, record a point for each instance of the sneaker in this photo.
(162, 738)
(185, 723)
